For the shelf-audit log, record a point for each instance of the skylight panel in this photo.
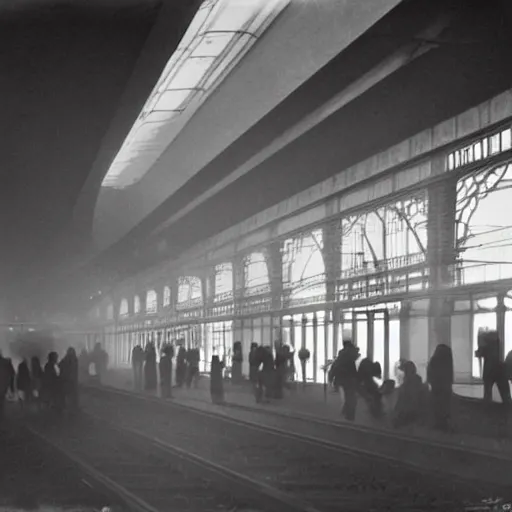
(213, 44)
(191, 73)
(235, 16)
(172, 100)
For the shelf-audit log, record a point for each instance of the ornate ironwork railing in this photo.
(190, 304)
(306, 283)
(224, 297)
(389, 265)
(253, 305)
(260, 289)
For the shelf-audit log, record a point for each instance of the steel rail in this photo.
(132, 502)
(336, 447)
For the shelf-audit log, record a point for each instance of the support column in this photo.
(405, 352)
(441, 258)
(369, 349)
(386, 345)
(332, 260)
(275, 272)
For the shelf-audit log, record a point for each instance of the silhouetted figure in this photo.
(12, 376)
(181, 366)
(367, 372)
(290, 368)
(216, 381)
(165, 367)
(150, 380)
(268, 371)
(37, 377)
(83, 366)
(69, 379)
(253, 366)
(193, 358)
(410, 404)
(52, 395)
(281, 366)
(345, 376)
(494, 370)
(508, 366)
(236, 366)
(99, 358)
(4, 383)
(440, 378)
(137, 366)
(24, 382)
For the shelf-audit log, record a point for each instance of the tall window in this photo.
(189, 289)
(483, 227)
(303, 265)
(123, 309)
(223, 279)
(167, 296)
(151, 302)
(110, 311)
(255, 272)
(390, 237)
(136, 304)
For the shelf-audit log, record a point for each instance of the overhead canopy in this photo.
(220, 34)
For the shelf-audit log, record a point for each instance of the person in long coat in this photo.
(12, 376)
(69, 378)
(253, 366)
(165, 367)
(4, 383)
(181, 366)
(494, 370)
(24, 382)
(137, 366)
(52, 394)
(216, 381)
(367, 372)
(440, 379)
(150, 379)
(37, 378)
(345, 376)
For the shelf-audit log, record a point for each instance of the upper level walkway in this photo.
(476, 425)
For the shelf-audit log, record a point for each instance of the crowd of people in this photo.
(55, 385)
(144, 365)
(416, 401)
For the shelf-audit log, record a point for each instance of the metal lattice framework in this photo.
(303, 265)
(189, 291)
(389, 237)
(256, 274)
(223, 279)
(483, 232)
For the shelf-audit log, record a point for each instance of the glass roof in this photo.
(220, 34)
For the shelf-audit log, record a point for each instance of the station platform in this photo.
(476, 425)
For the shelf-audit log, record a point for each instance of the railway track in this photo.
(318, 475)
(459, 462)
(139, 472)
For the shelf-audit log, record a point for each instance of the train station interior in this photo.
(215, 176)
